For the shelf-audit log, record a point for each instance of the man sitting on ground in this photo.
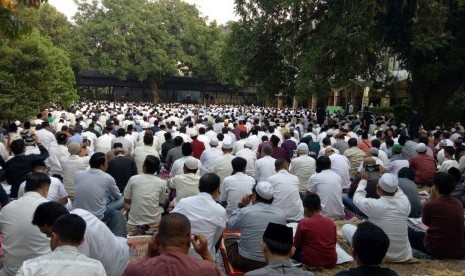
(67, 234)
(277, 248)
(369, 246)
(168, 251)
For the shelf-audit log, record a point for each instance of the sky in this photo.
(220, 10)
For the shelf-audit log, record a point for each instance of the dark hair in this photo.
(323, 163)
(70, 228)
(402, 140)
(449, 149)
(117, 145)
(209, 183)
(97, 159)
(121, 132)
(151, 164)
(174, 229)
(186, 149)
(352, 142)
(259, 198)
(238, 164)
(268, 150)
(47, 213)
(36, 180)
(389, 142)
(326, 141)
(17, 146)
(406, 172)
(312, 202)
(444, 183)
(370, 243)
(264, 138)
(243, 134)
(178, 141)
(279, 163)
(455, 173)
(148, 139)
(167, 136)
(376, 143)
(274, 140)
(220, 136)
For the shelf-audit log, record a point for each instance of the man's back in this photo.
(223, 166)
(356, 157)
(185, 185)
(64, 260)
(92, 188)
(206, 216)
(121, 169)
(303, 167)
(172, 264)
(264, 168)
(209, 159)
(279, 267)
(70, 166)
(286, 194)
(21, 239)
(327, 184)
(140, 153)
(341, 165)
(250, 157)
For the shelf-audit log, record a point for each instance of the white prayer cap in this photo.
(248, 144)
(191, 163)
(17, 123)
(388, 183)
(302, 147)
(330, 132)
(264, 189)
(214, 142)
(227, 142)
(421, 147)
(194, 133)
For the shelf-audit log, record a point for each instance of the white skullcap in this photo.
(330, 132)
(248, 144)
(191, 163)
(264, 190)
(214, 141)
(17, 123)
(421, 147)
(388, 183)
(194, 133)
(302, 147)
(227, 142)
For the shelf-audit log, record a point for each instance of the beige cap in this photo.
(191, 163)
(74, 148)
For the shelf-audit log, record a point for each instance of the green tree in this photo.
(34, 74)
(143, 39)
(10, 25)
(326, 44)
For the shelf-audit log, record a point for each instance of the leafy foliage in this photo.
(34, 74)
(10, 25)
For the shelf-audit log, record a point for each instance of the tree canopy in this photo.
(34, 74)
(304, 47)
(147, 40)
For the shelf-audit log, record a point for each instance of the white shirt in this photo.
(46, 138)
(447, 164)
(322, 151)
(303, 167)
(255, 140)
(207, 217)
(56, 190)
(205, 140)
(391, 214)
(140, 153)
(21, 240)
(328, 186)
(178, 166)
(64, 260)
(223, 166)
(238, 145)
(250, 156)
(91, 137)
(100, 244)
(395, 166)
(146, 192)
(209, 159)
(383, 157)
(264, 168)
(185, 185)
(103, 143)
(286, 194)
(341, 165)
(234, 188)
(211, 134)
(55, 154)
(71, 165)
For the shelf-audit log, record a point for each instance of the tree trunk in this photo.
(154, 87)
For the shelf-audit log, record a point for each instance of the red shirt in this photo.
(364, 145)
(176, 264)
(316, 239)
(278, 153)
(197, 148)
(445, 235)
(425, 168)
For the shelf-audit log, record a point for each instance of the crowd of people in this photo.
(78, 181)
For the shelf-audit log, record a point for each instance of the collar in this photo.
(67, 248)
(283, 171)
(285, 263)
(32, 194)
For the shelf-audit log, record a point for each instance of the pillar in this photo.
(314, 101)
(386, 101)
(337, 98)
(295, 103)
(366, 97)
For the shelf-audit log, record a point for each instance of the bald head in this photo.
(175, 229)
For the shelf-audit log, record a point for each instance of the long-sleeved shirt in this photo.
(91, 189)
(253, 221)
(286, 194)
(209, 159)
(234, 188)
(391, 214)
(327, 185)
(264, 168)
(303, 167)
(19, 166)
